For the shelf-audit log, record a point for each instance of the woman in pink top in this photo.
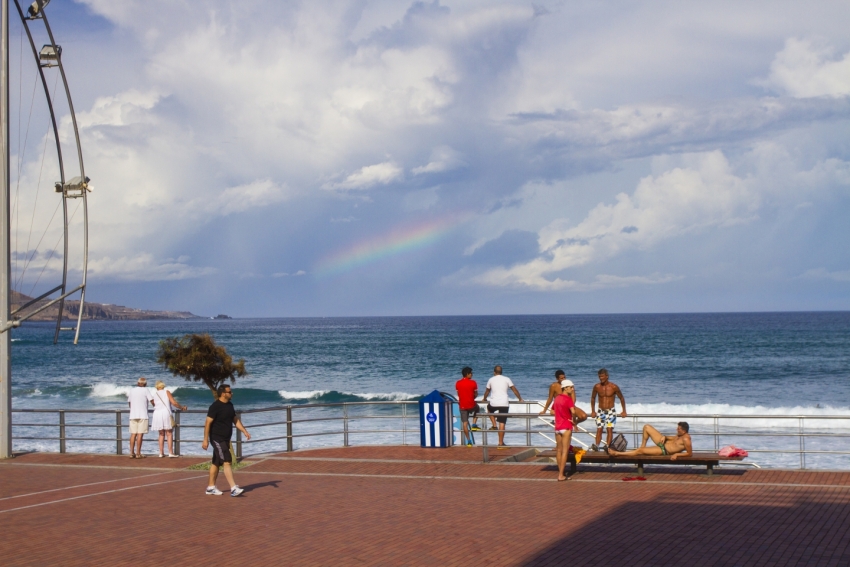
(564, 409)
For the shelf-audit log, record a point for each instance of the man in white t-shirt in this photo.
(497, 390)
(138, 399)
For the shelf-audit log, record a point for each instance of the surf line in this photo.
(100, 493)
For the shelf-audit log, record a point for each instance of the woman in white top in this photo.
(163, 420)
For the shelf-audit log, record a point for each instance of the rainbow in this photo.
(397, 241)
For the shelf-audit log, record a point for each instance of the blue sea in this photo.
(770, 364)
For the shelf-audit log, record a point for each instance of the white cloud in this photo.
(207, 110)
(465, 278)
(443, 158)
(238, 199)
(702, 194)
(368, 176)
(144, 268)
(808, 69)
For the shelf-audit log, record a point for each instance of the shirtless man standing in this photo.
(607, 416)
(673, 446)
(555, 391)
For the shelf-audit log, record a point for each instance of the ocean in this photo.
(770, 364)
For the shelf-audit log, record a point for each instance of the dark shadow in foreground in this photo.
(797, 527)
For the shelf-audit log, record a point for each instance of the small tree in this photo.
(198, 358)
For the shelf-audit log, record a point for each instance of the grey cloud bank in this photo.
(610, 157)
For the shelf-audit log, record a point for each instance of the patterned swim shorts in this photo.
(606, 417)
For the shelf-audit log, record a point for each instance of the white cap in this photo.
(566, 383)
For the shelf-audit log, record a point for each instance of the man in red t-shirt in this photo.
(467, 391)
(564, 409)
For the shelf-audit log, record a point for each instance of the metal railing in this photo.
(278, 428)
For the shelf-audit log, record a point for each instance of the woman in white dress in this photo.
(163, 420)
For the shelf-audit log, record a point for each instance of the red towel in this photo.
(732, 451)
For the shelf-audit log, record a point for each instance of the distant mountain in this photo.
(94, 311)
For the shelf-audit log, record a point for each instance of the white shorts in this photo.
(562, 431)
(138, 426)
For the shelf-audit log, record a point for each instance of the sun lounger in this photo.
(706, 459)
(709, 460)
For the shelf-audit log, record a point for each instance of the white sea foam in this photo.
(315, 394)
(109, 390)
(392, 396)
(729, 409)
(302, 395)
(113, 390)
(768, 417)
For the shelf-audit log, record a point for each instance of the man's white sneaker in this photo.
(213, 491)
(236, 491)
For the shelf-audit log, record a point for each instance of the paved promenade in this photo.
(413, 506)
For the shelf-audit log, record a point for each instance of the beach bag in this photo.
(732, 451)
(619, 443)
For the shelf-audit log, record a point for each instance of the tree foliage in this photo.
(200, 359)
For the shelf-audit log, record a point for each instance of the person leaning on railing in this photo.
(163, 418)
(498, 385)
(467, 391)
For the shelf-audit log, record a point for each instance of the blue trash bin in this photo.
(435, 420)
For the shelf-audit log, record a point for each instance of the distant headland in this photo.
(98, 311)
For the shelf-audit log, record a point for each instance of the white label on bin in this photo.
(431, 417)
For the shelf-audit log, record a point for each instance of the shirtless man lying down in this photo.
(663, 445)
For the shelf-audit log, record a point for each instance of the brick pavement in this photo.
(388, 507)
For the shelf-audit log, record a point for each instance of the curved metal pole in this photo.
(49, 99)
(84, 195)
(85, 263)
(46, 93)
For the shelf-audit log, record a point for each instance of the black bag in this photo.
(619, 443)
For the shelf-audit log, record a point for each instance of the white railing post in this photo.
(404, 423)
(716, 431)
(288, 429)
(61, 431)
(345, 424)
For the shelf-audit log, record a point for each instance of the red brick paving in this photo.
(316, 512)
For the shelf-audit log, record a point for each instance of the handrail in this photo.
(349, 413)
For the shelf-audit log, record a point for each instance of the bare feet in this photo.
(562, 478)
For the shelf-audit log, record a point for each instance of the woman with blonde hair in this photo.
(163, 419)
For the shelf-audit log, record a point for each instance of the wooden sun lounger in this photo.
(709, 460)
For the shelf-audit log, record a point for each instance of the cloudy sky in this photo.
(382, 157)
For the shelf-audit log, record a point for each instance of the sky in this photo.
(342, 158)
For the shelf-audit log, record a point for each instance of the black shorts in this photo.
(499, 409)
(465, 414)
(221, 451)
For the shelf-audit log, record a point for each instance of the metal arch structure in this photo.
(50, 56)
(77, 188)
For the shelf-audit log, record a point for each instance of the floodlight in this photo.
(36, 8)
(48, 54)
(74, 187)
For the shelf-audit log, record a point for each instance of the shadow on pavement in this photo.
(258, 485)
(796, 528)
